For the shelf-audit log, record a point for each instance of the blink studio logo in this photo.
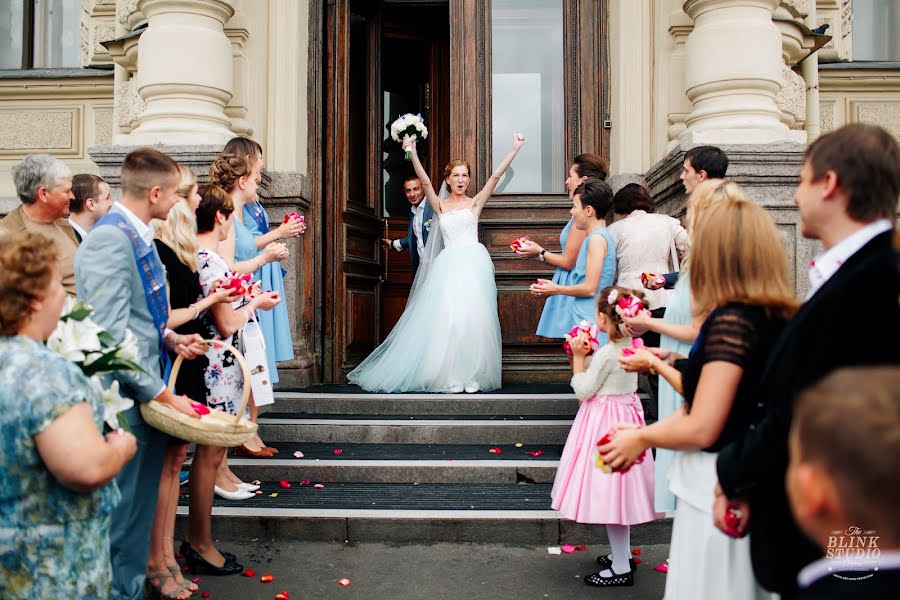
(854, 552)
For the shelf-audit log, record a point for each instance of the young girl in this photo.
(582, 491)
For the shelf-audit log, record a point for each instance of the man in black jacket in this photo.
(847, 198)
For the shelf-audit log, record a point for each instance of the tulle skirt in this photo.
(448, 337)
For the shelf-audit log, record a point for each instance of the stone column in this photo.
(185, 72)
(734, 73)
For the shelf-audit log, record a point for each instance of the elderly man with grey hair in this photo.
(44, 185)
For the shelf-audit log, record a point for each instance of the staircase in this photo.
(410, 468)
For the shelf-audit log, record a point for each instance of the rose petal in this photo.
(298, 454)
(304, 482)
(662, 568)
(344, 582)
(319, 486)
(179, 555)
(267, 578)
(200, 409)
(249, 573)
(185, 568)
(567, 548)
(204, 594)
(554, 550)
(636, 551)
(195, 580)
(519, 444)
(581, 548)
(273, 495)
(495, 451)
(283, 595)
(637, 561)
(258, 493)
(284, 483)
(536, 453)
(337, 451)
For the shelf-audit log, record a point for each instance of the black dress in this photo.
(184, 290)
(741, 334)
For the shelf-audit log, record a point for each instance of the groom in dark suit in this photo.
(420, 218)
(847, 199)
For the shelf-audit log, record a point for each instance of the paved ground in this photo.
(435, 572)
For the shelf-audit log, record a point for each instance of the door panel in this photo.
(353, 254)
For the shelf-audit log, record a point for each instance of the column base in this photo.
(721, 137)
(768, 175)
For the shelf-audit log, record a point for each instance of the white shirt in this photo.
(77, 227)
(418, 212)
(142, 228)
(644, 245)
(826, 264)
(888, 560)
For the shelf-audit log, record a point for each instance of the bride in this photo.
(448, 338)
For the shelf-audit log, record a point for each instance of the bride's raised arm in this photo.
(430, 192)
(482, 197)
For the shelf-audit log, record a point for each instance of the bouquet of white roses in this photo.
(408, 125)
(95, 351)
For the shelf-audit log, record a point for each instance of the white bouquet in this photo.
(95, 351)
(409, 125)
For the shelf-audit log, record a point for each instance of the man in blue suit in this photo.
(420, 218)
(119, 273)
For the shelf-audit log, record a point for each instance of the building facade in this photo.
(318, 82)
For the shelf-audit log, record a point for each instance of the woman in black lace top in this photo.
(738, 276)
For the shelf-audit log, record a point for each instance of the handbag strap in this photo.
(674, 252)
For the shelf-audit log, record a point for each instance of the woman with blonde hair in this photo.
(177, 245)
(739, 286)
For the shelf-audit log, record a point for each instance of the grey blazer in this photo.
(107, 278)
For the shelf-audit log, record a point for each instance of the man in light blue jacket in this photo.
(119, 273)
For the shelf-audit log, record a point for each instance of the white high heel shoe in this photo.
(248, 487)
(238, 494)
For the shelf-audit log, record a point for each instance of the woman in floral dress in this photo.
(56, 469)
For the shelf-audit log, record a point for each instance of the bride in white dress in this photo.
(448, 338)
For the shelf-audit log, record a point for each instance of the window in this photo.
(875, 27)
(40, 34)
(527, 90)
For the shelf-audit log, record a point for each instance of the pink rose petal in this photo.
(304, 482)
(298, 454)
(536, 453)
(495, 451)
(662, 568)
(343, 582)
(567, 548)
(319, 486)
(284, 483)
(337, 451)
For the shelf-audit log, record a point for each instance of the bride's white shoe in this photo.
(455, 388)
(471, 388)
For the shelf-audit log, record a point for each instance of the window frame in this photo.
(29, 40)
(586, 88)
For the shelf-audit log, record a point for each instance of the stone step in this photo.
(351, 403)
(403, 513)
(403, 463)
(415, 429)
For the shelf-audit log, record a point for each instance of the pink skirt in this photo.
(585, 494)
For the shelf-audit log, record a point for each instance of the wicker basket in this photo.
(215, 429)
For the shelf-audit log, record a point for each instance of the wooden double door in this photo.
(382, 59)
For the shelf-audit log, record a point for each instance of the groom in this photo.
(419, 222)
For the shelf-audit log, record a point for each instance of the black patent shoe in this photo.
(606, 563)
(201, 566)
(614, 580)
(185, 547)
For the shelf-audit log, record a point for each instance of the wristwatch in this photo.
(541, 256)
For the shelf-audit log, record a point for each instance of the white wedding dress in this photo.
(448, 338)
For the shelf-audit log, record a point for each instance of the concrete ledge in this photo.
(517, 528)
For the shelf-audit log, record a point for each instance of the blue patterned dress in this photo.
(274, 323)
(54, 543)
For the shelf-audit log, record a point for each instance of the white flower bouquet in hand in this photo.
(95, 351)
(408, 127)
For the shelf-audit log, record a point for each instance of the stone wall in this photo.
(860, 93)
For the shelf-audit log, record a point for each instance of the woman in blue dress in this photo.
(557, 316)
(596, 259)
(56, 469)
(274, 323)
